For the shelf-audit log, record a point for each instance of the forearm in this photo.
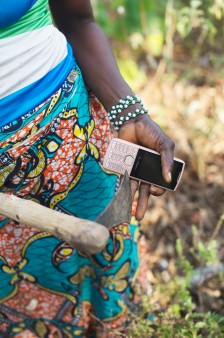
(98, 65)
(91, 50)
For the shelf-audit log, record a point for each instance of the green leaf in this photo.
(196, 3)
(200, 325)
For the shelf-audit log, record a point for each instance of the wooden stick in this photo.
(84, 235)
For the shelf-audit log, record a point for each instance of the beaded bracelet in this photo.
(129, 116)
(121, 105)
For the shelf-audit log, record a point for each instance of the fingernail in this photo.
(153, 189)
(169, 176)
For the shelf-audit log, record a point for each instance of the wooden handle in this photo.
(86, 236)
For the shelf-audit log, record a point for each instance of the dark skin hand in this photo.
(142, 130)
(75, 19)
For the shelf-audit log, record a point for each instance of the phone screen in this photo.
(147, 167)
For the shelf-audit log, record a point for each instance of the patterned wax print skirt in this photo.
(53, 156)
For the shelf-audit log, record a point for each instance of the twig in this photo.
(170, 29)
(115, 332)
(218, 227)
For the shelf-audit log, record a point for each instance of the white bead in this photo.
(125, 106)
(134, 115)
(129, 114)
(122, 117)
(133, 102)
(127, 118)
(113, 107)
(137, 110)
(120, 123)
(119, 110)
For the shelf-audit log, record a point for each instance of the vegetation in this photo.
(179, 318)
(171, 52)
(144, 32)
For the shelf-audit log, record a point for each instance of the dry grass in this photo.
(192, 113)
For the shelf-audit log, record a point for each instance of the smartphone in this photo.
(141, 163)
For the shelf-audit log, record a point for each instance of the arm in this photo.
(91, 49)
(94, 56)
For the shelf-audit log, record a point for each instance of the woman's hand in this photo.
(143, 131)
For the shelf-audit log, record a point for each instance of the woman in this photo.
(53, 138)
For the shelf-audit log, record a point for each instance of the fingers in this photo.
(156, 191)
(165, 146)
(134, 187)
(166, 152)
(150, 135)
(145, 190)
(144, 193)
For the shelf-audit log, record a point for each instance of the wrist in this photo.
(126, 109)
(129, 109)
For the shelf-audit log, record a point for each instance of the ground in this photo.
(191, 111)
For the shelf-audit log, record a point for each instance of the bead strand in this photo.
(121, 105)
(129, 116)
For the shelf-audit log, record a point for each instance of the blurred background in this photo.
(171, 53)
